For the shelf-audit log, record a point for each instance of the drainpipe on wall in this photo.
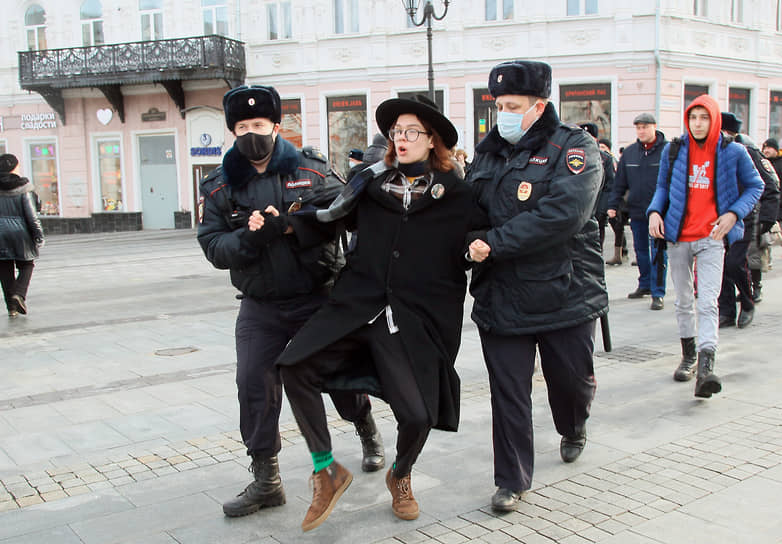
(657, 61)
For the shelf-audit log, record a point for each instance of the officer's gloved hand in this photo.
(273, 228)
(765, 226)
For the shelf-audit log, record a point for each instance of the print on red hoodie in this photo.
(701, 210)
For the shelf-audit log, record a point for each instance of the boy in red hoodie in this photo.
(713, 184)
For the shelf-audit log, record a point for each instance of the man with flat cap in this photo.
(283, 270)
(538, 281)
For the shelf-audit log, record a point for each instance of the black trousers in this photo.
(618, 224)
(12, 283)
(304, 383)
(566, 361)
(736, 276)
(263, 329)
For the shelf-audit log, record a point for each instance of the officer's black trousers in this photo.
(263, 329)
(736, 276)
(566, 361)
(304, 383)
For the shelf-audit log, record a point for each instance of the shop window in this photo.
(700, 8)
(91, 15)
(775, 115)
(347, 128)
(582, 7)
(35, 27)
(43, 166)
(737, 11)
(110, 175)
(151, 12)
(738, 105)
(484, 113)
(693, 91)
(278, 17)
(588, 103)
(497, 10)
(291, 123)
(346, 14)
(215, 14)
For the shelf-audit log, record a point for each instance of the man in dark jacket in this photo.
(606, 187)
(637, 172)
(283, 271)
(539, 282)
(736, 274)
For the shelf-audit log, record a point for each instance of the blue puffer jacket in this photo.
(738, 187)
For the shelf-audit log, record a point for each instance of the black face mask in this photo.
(255, 147)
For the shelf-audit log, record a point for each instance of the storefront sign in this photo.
(203, 151)
(574, 93)
(28, 121)
(347, 103)
(153, 115)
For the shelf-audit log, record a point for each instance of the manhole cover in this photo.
(173, 352)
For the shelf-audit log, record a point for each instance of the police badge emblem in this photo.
(524, 191)
(575, 160)
(251, 101)
(437, 191)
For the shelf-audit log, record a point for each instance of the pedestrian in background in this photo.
(21, 234)
(537, 180)
(607, 186)
(283, 271)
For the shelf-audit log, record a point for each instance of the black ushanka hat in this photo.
(524, 77)
(389, 111)
(245, 102)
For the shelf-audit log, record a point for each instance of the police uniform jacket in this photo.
(267, 264)
(412, 260)
(637, 172)
(20, 229)
(608, 183)
(545, 269)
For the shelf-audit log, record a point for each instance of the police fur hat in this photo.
(249, 102)
(590, 128)
(525, 77)
(730, 122)
(7, 163)
(377, 149)
(356, 154)
(389, 111)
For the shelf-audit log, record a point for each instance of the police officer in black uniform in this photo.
(283, 271)
(538, 282)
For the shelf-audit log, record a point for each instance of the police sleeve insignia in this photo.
(576, 160)
(767, 165)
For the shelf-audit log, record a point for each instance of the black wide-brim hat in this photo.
(389, 111)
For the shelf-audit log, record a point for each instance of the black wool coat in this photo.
(412, 260)
(20, 229)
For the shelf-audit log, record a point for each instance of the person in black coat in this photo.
(601, 208)
(539, 282)
(392, 325)
(283, 272)
(21, 235)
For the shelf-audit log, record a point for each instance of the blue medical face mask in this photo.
(509, 125)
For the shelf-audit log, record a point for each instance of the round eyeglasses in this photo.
(411, 134)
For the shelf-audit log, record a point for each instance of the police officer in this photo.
(538, 281)
(283, 271)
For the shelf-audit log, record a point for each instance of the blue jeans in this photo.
(644, 255)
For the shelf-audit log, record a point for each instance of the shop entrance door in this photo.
(200, 171)
(158, 180)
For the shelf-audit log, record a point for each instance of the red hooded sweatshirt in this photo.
(701, 198)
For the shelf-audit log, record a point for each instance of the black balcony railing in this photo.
(108, 66)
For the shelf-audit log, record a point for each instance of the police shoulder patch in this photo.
(767, 165)
(575, 158)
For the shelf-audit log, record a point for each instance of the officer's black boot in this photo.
(687, 367)
(706, 383)
(371, 444)
(265, 490)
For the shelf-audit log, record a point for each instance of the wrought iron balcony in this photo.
(168, 62)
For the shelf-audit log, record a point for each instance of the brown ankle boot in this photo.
(617, 260)
(327, 487)
(403, 503)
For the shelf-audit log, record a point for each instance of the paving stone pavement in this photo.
(118, 424)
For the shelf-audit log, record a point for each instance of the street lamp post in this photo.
(411, 7)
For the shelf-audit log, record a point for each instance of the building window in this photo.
(35, 26)
(346, 16)
(582, 7)
(278, 16)
(215, 15)
(484, 113)
(493, 8)
(589, 103)
(291, 123)
(43, 167)
(347, 126)
(91, 15)
(738, 105)
(775, 115)
(151, 19)
(110, 175)
(737, 11)
(700, 8)
(692, 91)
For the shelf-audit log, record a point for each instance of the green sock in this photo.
(321, 459)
